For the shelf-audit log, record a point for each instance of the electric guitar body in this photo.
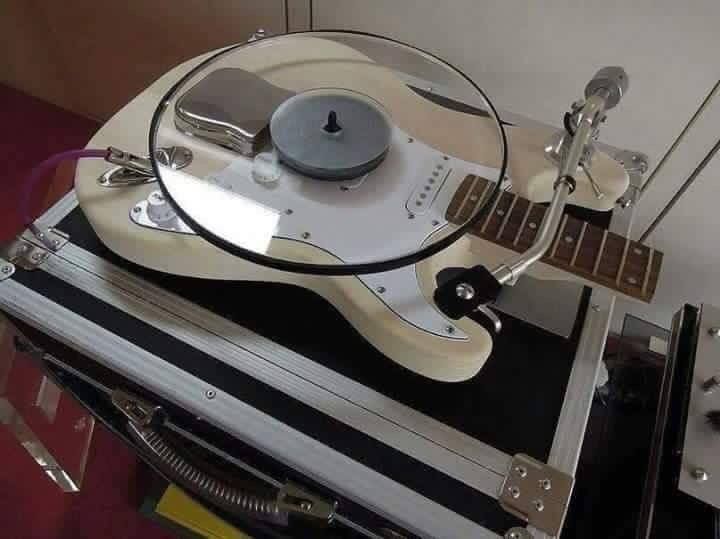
(393, 310)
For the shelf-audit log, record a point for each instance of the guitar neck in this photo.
(582, 249)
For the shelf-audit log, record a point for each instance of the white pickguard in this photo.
(406, 199)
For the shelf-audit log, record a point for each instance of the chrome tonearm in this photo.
(475, 287)
(602, 93)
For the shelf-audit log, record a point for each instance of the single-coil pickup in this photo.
(427, 188)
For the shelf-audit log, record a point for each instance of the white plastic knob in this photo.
(159, 210)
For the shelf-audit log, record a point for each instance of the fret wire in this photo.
(579, 242)
(522, 224)
(491, 213)
(559, 235)
(507, 217)
(467, 196)
(600, 252)
(481, 198)
(622, 261)
(648, 270)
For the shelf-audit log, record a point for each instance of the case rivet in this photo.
(545, 484)
(539, 505)
(521, 471)
(514, 492)
(700, 475)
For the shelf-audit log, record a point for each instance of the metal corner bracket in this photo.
(31, 249)
(537, 493)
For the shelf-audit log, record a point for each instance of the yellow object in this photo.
(175, 505)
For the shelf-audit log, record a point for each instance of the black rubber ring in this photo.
(569, 180)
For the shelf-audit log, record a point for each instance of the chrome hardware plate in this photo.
(700, 470)
(536, 493)
(139, 215)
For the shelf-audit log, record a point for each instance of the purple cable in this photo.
(43, 169)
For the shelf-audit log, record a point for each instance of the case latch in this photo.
(536, 493)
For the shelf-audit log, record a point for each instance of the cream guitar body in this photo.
(394, 310)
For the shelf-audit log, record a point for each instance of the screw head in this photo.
(210, 394)
(435, 222)
(450, 329)
(539, 505)
(410, 139)
(714, 332)
(6, 269)
(700, 475)
(465, 291)
(514, 492)
(595, 307)
(545, 484)
(288, 212)
(521, 470)
(380, 289)
(136, 209)
(517, 533)
(305, 235)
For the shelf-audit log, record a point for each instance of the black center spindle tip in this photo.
(332, 125)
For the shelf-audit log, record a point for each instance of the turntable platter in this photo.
(331, 134)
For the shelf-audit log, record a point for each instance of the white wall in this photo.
(535, 57)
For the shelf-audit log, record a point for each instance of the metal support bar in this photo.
(680, 192)
(680, 137)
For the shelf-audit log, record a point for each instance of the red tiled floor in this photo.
(32, 506)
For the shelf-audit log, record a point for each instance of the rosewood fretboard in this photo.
(585, 250)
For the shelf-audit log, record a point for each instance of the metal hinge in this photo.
(30, 250)
(537, 493)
